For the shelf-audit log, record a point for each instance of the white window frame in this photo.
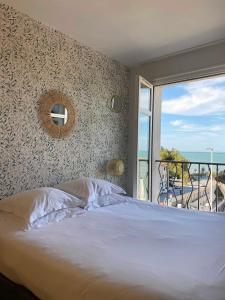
(156, 120)
(143, 81)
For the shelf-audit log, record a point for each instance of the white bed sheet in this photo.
(124, 251)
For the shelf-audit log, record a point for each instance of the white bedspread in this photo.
(123, 251)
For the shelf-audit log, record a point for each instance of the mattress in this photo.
(125, 251)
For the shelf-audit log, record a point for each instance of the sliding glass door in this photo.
(145, 105)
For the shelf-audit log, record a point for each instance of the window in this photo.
(193, 131)
(144, 139)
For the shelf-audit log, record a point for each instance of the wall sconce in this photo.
(115, 167)
(116, 104)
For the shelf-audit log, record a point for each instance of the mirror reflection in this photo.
(116, 104)
(59, 114)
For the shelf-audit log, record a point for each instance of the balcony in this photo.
(186, 184)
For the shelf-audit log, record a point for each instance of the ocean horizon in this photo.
(218, 157)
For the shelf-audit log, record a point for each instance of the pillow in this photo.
(89, 188)
(56, 216)
(35, 204)
(107, 200)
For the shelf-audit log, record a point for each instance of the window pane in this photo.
(145, 97)
(143, 179)
(143, 136)
(143, 156)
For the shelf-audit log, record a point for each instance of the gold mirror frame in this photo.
(46, 103)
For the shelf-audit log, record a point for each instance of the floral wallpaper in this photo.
(34, 59)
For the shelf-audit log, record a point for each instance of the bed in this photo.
(129, 250)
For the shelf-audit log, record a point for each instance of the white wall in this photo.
(199, 61)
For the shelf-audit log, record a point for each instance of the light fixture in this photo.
(115, 167)
(116, 104)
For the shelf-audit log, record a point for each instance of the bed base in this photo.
(12, 291)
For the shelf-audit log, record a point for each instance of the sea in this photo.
(218, 157)
(204, 157)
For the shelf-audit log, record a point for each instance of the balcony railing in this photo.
(192, 185)
(182, 184)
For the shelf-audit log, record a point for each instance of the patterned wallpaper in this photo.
(33, 59)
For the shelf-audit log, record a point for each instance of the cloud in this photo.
(185, 127)
(195, 128)
(202, 97)
(216, 128)
(181, 124)
(176, 123)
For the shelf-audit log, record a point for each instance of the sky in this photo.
(193, 115)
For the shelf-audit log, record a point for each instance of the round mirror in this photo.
(116, 104)
(59, 114)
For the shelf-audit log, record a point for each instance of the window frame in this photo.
(149, 113)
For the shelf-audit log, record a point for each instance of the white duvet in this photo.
(123, 251)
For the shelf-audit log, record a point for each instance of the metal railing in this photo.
(185, 184)
(192, 185)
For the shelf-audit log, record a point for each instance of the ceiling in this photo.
(132, 31)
